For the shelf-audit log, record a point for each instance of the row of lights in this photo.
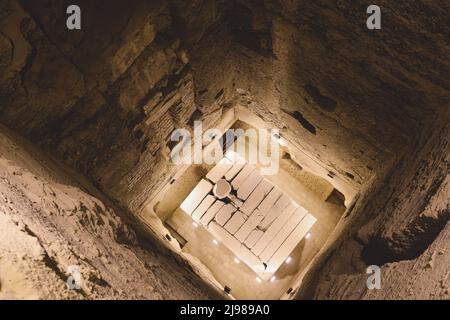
(237, 261)
(287, 261)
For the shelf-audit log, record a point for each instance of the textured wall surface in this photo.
(399, 224)
(49, 224)
(371, 106)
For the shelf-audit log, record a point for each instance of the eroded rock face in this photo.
(313, 70)
(401, 225)
(331, 81)
(49, 225)
(426, 277)
(371, 106)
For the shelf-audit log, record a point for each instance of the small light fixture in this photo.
(258, 279)
(227, 289)
(236, 260)
(195, 224)
(308, 235)
(273, 279)
(215, 242)
(288, 260)
(280, 139)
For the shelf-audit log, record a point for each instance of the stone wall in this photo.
(351, 98)
(371, 106)
(52, 227)
(106, 99)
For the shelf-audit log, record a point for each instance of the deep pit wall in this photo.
(352, 99)
(55, 227)
(105, 99)
(401, 224)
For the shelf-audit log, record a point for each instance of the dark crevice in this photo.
(336, 197)
(322, 101)
(49, 262)
(351, 176)
(406, 245)
(196, 116)
(243, 30)
(305, 123)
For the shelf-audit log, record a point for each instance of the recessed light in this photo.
(258, 279)
(288, 260)
(215, 242)
(273, 279)
(195, 224)
(308, 235)
(280, 139)
(236, 260)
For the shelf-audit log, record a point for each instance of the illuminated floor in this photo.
(240, 278)
(248, 214)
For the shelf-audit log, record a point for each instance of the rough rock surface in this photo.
(401, 224)
(48, 223)
(373, 107)
(146, 68)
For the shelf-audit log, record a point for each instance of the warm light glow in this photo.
(273, 279)
(308, 235)
(288, 260)
(215, 242)
(258, 280)
(281, 140)
(236, 260)
(195, 224)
